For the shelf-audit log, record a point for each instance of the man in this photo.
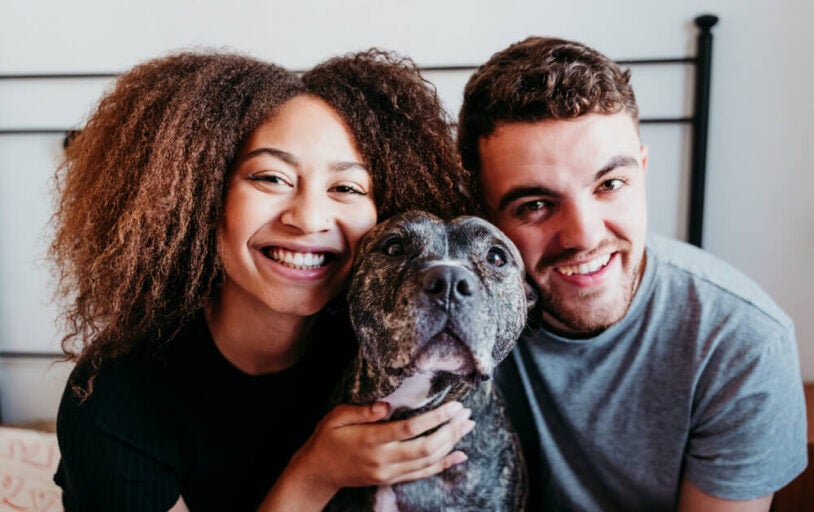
(653, 376)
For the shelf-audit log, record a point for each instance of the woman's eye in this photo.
(496, 257)
(349, 189)
(393, 247)
(274, 179)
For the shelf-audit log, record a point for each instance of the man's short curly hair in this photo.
(535, 80)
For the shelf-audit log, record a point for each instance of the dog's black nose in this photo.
(448, 283)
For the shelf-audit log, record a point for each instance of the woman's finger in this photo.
(417, 425)
(450, 460)
(437, 444)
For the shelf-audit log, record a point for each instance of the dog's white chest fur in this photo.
(385, 500)
(414, 392)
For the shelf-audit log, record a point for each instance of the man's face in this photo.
(571, 195)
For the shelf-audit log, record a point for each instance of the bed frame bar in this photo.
(699, 123)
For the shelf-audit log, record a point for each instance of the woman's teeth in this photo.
(297, 260)
(585, 268)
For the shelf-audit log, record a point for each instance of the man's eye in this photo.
(530, 207)
(611, 185)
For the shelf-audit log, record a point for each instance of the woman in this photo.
(209, 215)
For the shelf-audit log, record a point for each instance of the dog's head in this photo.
(445, 299)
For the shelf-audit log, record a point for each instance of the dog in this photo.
(436, 306)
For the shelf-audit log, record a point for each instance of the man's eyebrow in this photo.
(519, 192)
(615, 163)
(292, 160)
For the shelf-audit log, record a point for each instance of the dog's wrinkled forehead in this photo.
(417, 227)
(417, 231)
(468, 231)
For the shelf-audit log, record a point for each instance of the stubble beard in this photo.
(582, 318)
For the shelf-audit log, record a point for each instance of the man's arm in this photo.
(693, 499)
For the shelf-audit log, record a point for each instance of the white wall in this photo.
(758, 216)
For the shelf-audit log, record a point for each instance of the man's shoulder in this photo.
(682, 265)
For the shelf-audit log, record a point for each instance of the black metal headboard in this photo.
(702, 61)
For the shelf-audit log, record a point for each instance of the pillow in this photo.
(28, 461)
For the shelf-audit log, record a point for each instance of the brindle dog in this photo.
(436, 306)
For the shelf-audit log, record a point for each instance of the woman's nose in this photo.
(308, 212)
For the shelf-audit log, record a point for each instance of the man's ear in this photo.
(531, 295)
(645, 154)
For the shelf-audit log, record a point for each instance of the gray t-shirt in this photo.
(700, 379)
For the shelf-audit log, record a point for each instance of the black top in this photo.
(193, 425)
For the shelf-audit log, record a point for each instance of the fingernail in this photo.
(454, 407)
(461, 458)
(461, 415)
(468, 426)
(381, 408)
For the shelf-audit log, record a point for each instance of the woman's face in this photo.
(298, 202)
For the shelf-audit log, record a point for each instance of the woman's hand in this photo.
(357, 452)
(350, 449)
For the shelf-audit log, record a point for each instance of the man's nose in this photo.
(582, 226)
(308, 211)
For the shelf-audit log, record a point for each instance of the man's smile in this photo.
(588, 267)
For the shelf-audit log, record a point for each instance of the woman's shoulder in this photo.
(130, 402)
(118, 445)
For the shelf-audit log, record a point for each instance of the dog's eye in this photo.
(496, 257)
(393, 247)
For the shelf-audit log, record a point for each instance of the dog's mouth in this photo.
(446, 353)
(297, 260)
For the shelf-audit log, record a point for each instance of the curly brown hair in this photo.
(141, 193)
(534, 80)
(143, 185)
(402, 131)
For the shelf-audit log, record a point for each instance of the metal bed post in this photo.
(703, 72)
(699, 123)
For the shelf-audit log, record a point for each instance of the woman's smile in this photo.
(299, 200)
(297, 260)
(301, 263)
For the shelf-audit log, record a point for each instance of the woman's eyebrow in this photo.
(292, 160)
(285, 156)
(346, 166)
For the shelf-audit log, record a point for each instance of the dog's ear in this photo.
(531, 295)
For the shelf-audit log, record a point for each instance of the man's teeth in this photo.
(298, 260)
(585, 268)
